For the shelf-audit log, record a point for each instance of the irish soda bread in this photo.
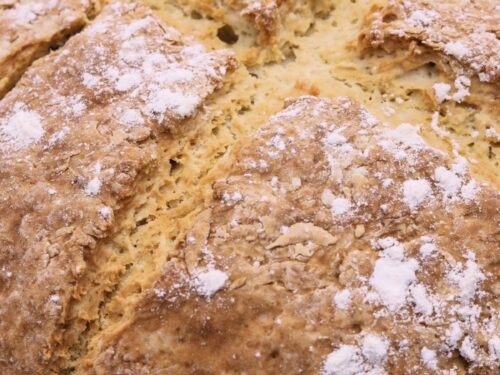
(249, 187)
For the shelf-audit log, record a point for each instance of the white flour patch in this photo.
(180, 104)
(209, 282)
(416, 192)
(375, 348)
(429, 359)
(343, 299)
(392, 276)
(346, 360)
(93, 187)
(22, 129)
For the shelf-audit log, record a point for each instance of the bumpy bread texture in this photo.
(325, 61)
(336, 245)
(75, 133)
(460, 36)
(272, 25)
(28, 29)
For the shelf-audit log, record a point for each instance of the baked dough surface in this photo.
(458, 41)
(110, 306)
(335, 245)
(30, 28)
(75, 134)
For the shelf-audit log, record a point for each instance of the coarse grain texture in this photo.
(30, 28)
(325, 62)
(333, 243)
(313, 51)
(79, 129)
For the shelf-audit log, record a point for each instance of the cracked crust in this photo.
(76, 132)
(461, 37)
(321, 201)
(29, 29)
(270, 25)
(263, 14)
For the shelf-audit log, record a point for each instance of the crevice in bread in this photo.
(260, 31)
(164, 205)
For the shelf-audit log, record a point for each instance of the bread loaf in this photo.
(260, 187)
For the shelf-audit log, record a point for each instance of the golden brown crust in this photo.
(336, 245)
(75, 133)
(460, 36)
(28, 29)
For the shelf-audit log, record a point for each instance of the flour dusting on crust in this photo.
(401, 279)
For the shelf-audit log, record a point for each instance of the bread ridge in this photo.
(24, 40)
